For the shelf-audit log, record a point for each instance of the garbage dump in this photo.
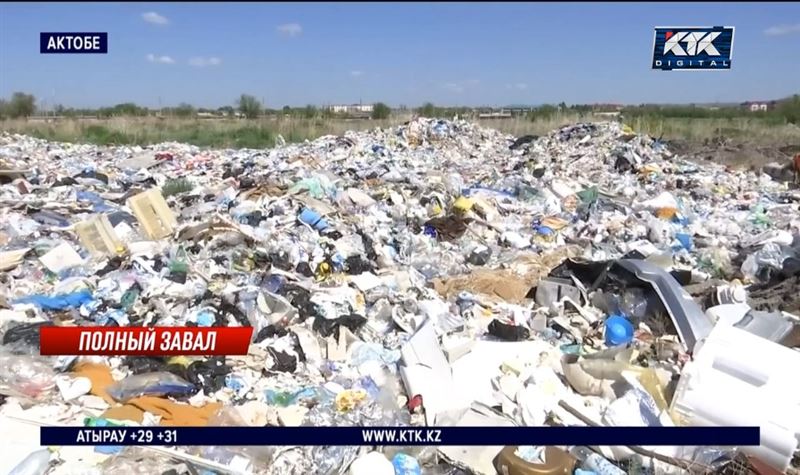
(435, 273)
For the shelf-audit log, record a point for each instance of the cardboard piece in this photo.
(478, 459)
(425, 371)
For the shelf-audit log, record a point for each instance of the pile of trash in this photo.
(435, 273)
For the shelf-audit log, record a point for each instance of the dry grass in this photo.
(264, 132)
(750, 130)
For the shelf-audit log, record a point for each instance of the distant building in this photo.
(495, 114)
(759, 106)
(607, 107)
(351, 108)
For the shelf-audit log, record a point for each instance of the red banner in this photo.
(145, 341)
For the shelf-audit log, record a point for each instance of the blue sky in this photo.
(207, 54)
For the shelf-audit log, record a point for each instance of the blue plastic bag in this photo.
(160, 383)
(58, 302)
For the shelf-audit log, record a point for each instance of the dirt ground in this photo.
(736, 153)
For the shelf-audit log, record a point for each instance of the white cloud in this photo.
(782, 30)
(460, 86)
(155, 18)
(160, 59)
(201, 62)
(356, 73)
(290, 29)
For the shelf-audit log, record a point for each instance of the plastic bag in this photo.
(137, 461)
(28, 376)
(57, 302)
(160, 383)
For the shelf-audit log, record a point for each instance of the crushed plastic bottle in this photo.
(34, 464)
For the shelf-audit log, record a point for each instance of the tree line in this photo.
(22, 105)
(786, 110)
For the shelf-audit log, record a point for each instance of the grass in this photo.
(263, 133)
(204, 133)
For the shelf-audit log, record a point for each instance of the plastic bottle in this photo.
(274, 283)
(279, 398)
(226, 456)
(633, 303)
(405, 465)
(595, 462)
(34, 464)
(130, 297)
(178, 264)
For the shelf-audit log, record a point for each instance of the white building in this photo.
(351, 108)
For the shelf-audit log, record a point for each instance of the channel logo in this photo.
(73, 43)
(693, 48)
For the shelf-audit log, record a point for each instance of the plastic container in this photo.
(153, 213)
(731, 294)
(740, 379)
(557, 462)
(97, 236)
(619, 331)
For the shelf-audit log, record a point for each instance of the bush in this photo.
(381, 111)
(21, 105)
(103, 136)
(184, 110)
(249, 106)
(427, 110)
(790, 109)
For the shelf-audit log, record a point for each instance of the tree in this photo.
(184, 110)
(427, 110)
(124, 109)
(249, 106)
(21, 105)
(226, 110)
(789, 109)
(381, 111)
